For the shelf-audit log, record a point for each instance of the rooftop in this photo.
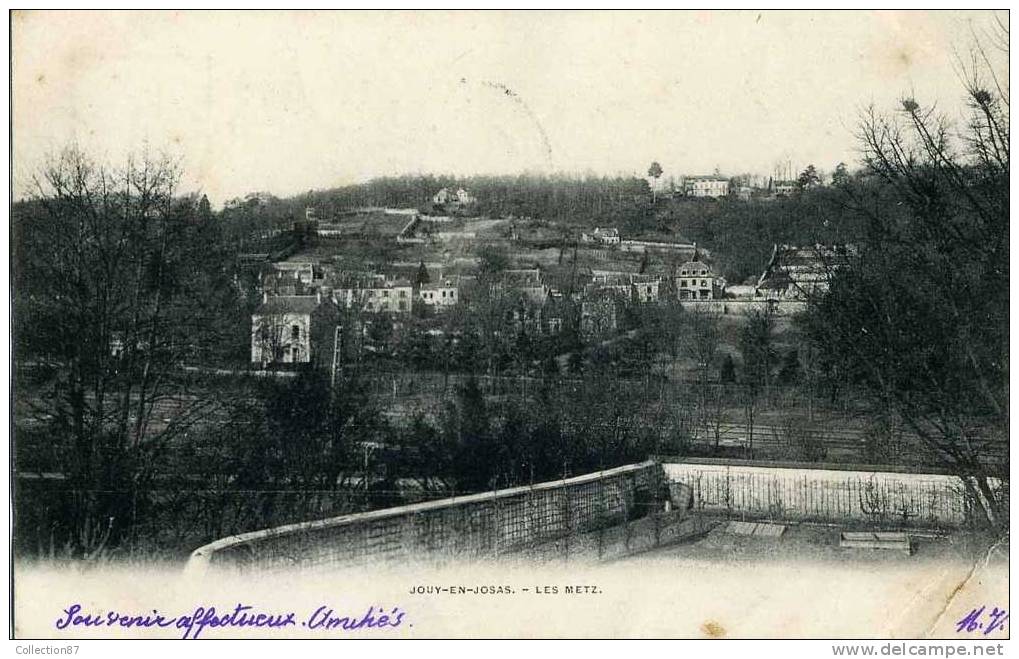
(695, 265)
(293, 304)
(821, 257)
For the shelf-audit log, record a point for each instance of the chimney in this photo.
(318, 296)
(265, 296)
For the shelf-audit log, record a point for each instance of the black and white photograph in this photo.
(543, 324)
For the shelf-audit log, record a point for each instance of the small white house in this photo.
(461, 197)
(281, 329)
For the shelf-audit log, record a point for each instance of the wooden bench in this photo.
(876, 540)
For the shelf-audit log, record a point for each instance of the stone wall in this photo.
(476, 526)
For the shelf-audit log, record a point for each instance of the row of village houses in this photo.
(386, 293)
(535, 302)
(712, 185)
(539, 302)
(717, 187)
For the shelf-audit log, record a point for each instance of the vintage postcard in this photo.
(511, 324)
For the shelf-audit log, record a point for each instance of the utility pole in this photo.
(366, 472)
(337, 353)
(368, 449)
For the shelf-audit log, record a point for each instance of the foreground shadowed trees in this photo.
(919, 319)
(117, 279)
(298, 448)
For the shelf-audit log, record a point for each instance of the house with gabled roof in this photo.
(281, 329)
(374, 294)
(696, 281)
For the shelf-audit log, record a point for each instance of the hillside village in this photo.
(584, 290)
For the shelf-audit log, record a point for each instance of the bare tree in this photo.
(702, 345)
(109, 300)
(756, 348)
(269, 336)
(919, 321)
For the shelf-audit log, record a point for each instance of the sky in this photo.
(285, 102)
